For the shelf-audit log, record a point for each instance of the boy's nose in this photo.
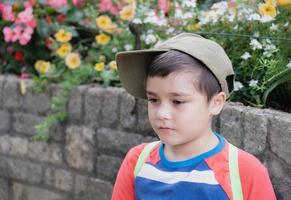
(163, 112)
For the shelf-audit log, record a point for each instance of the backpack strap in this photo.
(143, 156)
(234, 173)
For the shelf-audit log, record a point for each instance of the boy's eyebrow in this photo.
(171, 93)
(151, 93)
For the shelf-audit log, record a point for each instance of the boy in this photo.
(186, 81)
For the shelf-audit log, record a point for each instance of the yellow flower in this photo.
(283, 2)
(103, 22)
(63, 36)
(64, 49)
(99, 66)
(267, 9)
(130, 1)
(193, 27)
(127, 12)
(102, 39)
(42, 66)
(73, 60)
(112, 65)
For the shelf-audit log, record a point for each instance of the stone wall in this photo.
(83, 154)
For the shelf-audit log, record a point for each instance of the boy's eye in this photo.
(177, 102)
(152, 100)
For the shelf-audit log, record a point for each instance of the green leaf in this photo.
(275, 81)
(43, 28)
(74, 15)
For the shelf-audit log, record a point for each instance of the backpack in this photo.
(233, 167)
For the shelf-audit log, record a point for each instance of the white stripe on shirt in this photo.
(150, 172)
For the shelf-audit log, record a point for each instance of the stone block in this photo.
(280, 177)
(59, 178)
(128, 111)
(2, 80)
(33, 102)
(107, 167)
(23, 192)
(143, 124)
(280, 134)
(24, 123)
(21, 170)
(117, 141)
(13, 145)
(5, 144)
(231, 119)
(80, 148)
(4, 121)
(255, 131)
(76, 104)
(93, 106)
(110, 107)
(4, 189)
(87, 188)
(42, 151)
(11, 99)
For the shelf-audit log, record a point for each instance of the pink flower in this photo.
(25, 37)
(8, 34)
(7, 13)
(16, 33)
(107, 5)
(25, 16)
(57, 3)
(79, 3)
(164, 5)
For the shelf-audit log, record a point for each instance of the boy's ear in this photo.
(217, 103)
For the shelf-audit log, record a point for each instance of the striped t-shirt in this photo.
(203, 177)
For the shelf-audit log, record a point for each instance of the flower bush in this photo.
(74, 42)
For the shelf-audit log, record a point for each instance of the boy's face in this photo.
(178, 112)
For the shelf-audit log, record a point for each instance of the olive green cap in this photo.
(131, 65)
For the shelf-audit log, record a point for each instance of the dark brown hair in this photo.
(171, 61)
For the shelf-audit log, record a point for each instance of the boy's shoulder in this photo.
(251, 167)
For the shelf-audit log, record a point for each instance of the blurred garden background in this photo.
(74, 42)
(65, 123)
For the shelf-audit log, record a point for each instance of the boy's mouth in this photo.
(165, 129)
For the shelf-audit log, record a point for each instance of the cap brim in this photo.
(131, 66)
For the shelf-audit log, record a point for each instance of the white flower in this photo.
(235, 27)
(137, 21)
(265, 19)
(274, 27)
(289, 64)
(221, 7)
(150, 39)
(170, 30)
(188, 15)
(189, 3)
(128, 47)
(253, 83)
(237, 86)
(253, 17)
(286, 24)
(256, 34)
(269, 48)
(246, 56)
(154, 19)
(255, 44)
(114, 50)
(178, 13)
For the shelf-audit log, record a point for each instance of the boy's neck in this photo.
(202, 144)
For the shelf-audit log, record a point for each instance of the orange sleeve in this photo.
(255, 180)
(124, 183)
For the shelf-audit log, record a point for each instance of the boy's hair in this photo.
(172, 61)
